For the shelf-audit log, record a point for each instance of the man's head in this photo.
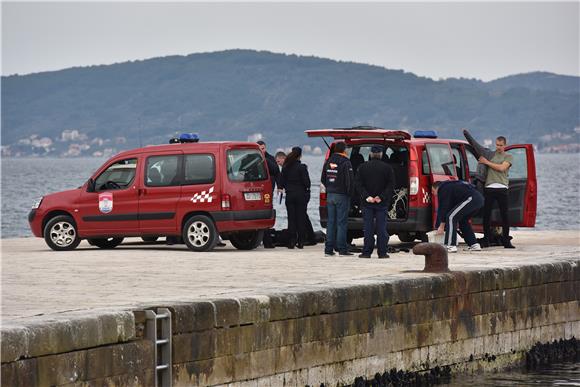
(500, 144)
(340, 147)
(376, 152)
(280, 157)
(262, 145)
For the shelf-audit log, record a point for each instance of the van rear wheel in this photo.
(199, 233)
(105, 243)
(60, 233)
(247, 240)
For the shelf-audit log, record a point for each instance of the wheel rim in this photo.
(62, 234)
(198, 234)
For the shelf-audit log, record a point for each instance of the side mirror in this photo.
(90, 185)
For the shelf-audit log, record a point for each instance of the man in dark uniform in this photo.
(375, 181)
(337, 178)
(275, 179)
(458, 201)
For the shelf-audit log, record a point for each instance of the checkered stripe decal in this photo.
(203, 196)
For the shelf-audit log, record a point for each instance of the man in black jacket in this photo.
(458, 201)
(275, 179)
(337, 178)
(375, 181)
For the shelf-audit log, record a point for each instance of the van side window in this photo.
(440, 159)
(117, 176)
(162, 171)
(246, 165)
(519, 168)
(471, 161)
(199, 169)
(425, 162)
(459, 164)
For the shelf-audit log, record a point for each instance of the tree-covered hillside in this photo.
(234, 94)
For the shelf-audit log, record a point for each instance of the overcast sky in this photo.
(437, 40)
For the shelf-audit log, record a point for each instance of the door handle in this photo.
(141, 191)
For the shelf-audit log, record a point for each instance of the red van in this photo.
(417, 162)
(194, 190)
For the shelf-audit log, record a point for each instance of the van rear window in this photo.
(246, 165)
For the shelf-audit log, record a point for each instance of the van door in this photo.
(159, 193)
(113, 208)
(441, 168)
(249, 190)
(523, 189)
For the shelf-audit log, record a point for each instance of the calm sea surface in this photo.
(24, 179)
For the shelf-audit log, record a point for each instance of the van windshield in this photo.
(246, 165)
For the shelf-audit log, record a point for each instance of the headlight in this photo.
(36, 203)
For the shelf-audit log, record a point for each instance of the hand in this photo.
(377, 199)
(483, 160)
(440, 229)
(370, 199)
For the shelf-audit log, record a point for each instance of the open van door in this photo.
(523, 188)
(361, 132)
(441, 168)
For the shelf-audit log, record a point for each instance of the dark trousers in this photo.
(501, 196)
(296, 208)
(375, 222)
(459, 217)
(337, 206)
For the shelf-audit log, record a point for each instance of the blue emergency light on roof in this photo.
(185, 137)
(425, 134)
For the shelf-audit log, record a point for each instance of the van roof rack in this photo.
(361, 127)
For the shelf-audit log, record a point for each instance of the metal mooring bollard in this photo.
(435, 257)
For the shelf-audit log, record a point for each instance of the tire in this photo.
(150, 239)
(105, 243)
(60, 233)
(406, 237)
(422, 236)
(247, 240)
(199, 233)
(351, 235)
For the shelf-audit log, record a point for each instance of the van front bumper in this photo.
(35, 221)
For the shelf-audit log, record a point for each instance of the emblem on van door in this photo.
(203, 196)
(106, 202)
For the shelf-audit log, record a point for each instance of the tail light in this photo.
(413, 178)
(413, 185)
(226, 202)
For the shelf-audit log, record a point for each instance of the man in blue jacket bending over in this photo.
(458, 202)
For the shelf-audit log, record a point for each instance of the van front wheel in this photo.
(199, 233)
(60, 233)
(247, 240)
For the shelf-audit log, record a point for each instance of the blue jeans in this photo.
(337, 206)
(375, 222)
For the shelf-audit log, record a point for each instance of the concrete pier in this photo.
(278, 317)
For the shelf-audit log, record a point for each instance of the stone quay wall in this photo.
(469, 320)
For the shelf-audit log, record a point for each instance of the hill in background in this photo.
(241, 94)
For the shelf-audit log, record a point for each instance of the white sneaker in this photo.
(451, 249)
(474, 247)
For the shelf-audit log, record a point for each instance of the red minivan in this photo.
(417, 162)
(195, 190)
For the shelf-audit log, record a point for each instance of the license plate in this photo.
(252, 196)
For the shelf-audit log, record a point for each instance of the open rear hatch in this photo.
(359, 132)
